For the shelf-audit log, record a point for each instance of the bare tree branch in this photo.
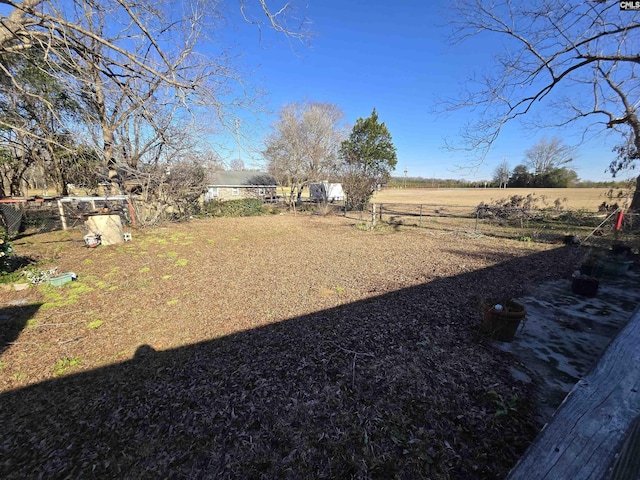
(588, 50)
(131, 63)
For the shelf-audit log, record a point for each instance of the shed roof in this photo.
(242, 179)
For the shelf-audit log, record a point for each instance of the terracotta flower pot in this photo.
(502, 324)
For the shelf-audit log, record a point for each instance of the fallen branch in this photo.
(57, 324)
(59, 342)
(353, 365)
(62, 342)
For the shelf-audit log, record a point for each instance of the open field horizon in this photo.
(573, 198)
(576, 198)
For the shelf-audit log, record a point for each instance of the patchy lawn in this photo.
(265, 347)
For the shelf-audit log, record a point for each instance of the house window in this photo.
(261, 192)
(235, 191)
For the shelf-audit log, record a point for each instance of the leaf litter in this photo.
(263, 369)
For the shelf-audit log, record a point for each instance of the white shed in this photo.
(327, 192)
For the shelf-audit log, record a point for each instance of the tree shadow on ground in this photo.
(12, 320)
(491, 256)
(396, 386)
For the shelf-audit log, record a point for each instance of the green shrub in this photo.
(243, 207)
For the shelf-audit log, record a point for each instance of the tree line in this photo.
(546, 165)
(422, 182)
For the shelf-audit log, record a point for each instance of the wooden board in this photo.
(590, 427)
(109, 227)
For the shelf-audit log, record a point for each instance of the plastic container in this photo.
(62, 279)
(92, 240)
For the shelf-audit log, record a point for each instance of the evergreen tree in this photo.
(368, 157)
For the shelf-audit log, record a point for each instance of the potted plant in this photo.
(571, 239)
(501, 319)
(585, 285)
(592, 264)
(619, 248)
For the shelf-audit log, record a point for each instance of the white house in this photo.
(231, 185)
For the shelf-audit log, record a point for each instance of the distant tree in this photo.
(236, 165)
(562, 177)
(557, 178)
(501, 174)
(184, 185)
(547, 155)
(304, 144)
(367, 157)
(29, 129)
(520, 177)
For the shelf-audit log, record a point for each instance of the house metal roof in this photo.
(242, 179)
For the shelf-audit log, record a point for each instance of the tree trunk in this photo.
(112, 167)
(635, 202)
(15, 186)
(4, 180)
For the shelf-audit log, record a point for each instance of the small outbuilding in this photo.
(233, 185)
(326, 192)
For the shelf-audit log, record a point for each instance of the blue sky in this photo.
(396, 58)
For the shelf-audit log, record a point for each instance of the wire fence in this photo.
(526, 224)
(31, 216)
(24, 217)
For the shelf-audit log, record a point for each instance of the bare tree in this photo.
(547, 155)
(304, 145)
(168, 167)
(577, 61)
(125, 58)
(236, 164)
(502, 173)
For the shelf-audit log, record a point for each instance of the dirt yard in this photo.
(267, 347)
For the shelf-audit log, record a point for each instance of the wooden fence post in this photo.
(420, 221)
(132, 213)
(63, 219)
(373, 214)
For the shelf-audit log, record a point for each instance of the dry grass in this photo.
(266, 347)
(577, 198)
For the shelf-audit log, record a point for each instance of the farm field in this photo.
(278, 346)
(577, 198)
